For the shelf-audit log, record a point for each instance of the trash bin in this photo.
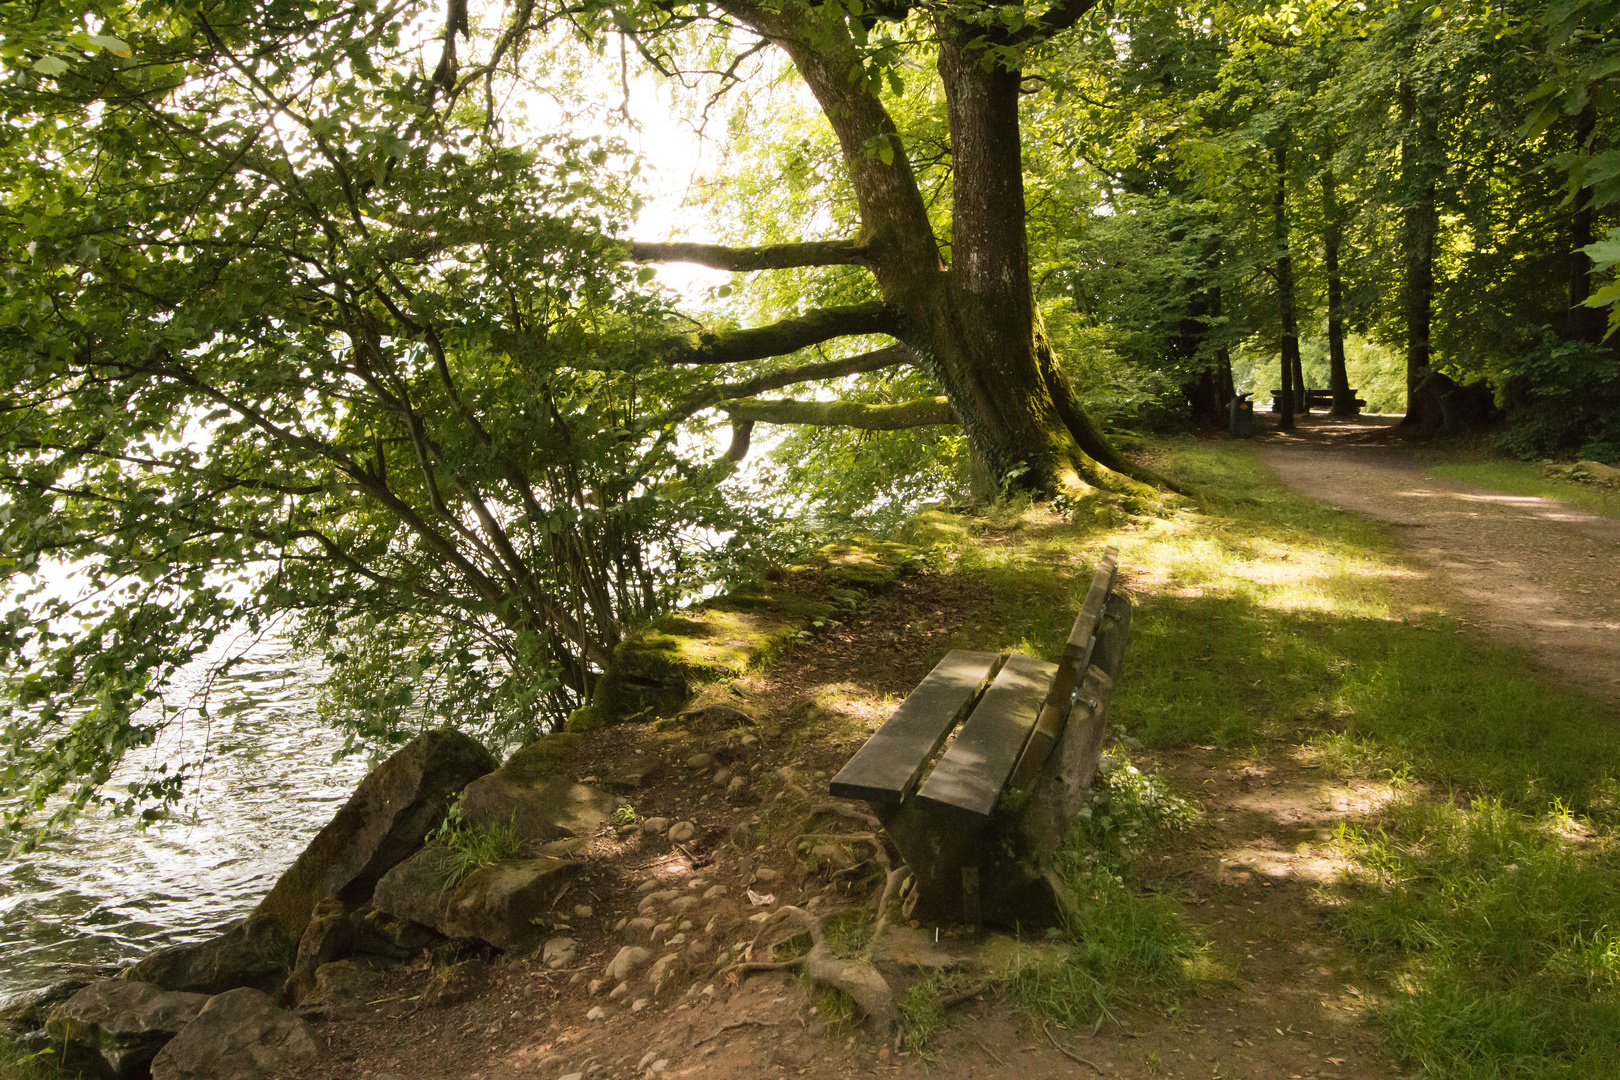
(1241, 422)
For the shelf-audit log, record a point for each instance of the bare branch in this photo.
(781, 338)
(919, 413)
(769, 257)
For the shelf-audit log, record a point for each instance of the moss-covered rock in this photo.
(494, 903)
(383, 822)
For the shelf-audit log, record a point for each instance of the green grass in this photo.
(1499, 933)
(1528, 478)
(18, 1064)
(1485, 906)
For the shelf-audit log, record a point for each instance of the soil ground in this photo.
(1538, 573)
(1285, 1004)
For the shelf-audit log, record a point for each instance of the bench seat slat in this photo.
(967, 782)
(886, 768)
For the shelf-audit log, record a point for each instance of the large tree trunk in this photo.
(974, 325)
(1289, 328)
(1419, 224)
(1344, 398)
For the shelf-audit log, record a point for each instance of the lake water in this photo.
(110, 892)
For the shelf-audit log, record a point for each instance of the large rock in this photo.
(238, 1035)
(328, 937)
(254, 952)
(339, 987)
(27, 1011)
(116, 1026)
(381, 825)
(494, 904)
(539, 807)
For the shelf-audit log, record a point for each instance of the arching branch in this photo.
(770, 257)
(781, 338)
(908, 414)
(876, 360)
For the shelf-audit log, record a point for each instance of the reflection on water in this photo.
(110, 892)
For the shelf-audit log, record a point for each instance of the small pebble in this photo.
(681, 832)
(722, 778)
(595, 987)
(700, 761)
(620, 925)
(638, 1004)
(714, 892)
(766, 874)
(582, 911)
(596, 1013)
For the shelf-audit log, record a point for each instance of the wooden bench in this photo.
(981, 823)
(1314, 399)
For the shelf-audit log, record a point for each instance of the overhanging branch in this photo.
(876, 360)
(908, 414)
(770, 257)
(1057, 18)
(781, 338)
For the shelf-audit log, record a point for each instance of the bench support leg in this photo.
(970, 897)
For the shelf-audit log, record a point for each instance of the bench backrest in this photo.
(1009, 734)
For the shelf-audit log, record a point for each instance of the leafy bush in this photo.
(1563, 400)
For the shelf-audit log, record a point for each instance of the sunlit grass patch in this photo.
(1527, 478)
(1498, 932)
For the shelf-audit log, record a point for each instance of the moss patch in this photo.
(657, 669)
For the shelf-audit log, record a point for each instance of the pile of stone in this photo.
(368, 889)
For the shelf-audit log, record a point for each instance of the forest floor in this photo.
(1536, 572)
(1330, 698)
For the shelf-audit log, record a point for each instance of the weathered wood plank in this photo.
(1071, 666)
(967, 782)
(887, 767)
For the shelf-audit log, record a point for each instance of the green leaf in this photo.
(113, 45)
(51, 65)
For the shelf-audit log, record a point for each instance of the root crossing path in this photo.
(1538, 573)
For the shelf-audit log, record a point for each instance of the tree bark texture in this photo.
(1344, 398)
(1419, 223)
(1288, 327)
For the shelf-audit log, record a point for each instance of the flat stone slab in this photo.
(539, 808)
(495, 904)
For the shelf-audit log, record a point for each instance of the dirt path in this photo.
(1538, 573)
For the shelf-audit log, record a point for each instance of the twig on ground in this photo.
(848, 812)
(993, 1056)
(965, 995)
(729, 1025)
(1070, 1054)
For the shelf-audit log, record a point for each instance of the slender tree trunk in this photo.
(1419, 223)
(1585, 324)
(1285, 291)
(1344, 398)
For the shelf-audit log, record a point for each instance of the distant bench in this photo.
(1314, 399)
(980, 824)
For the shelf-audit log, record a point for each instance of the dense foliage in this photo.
(322, 314)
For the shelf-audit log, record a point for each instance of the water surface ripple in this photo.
(264, 783)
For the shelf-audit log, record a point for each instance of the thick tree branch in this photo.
(781, 338)
(1058, 18)
(876, 360)
(771, 257)
(909, 414)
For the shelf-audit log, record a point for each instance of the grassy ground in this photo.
(1486, 901)
(1527, 478)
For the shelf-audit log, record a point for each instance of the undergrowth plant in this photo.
(463, 847)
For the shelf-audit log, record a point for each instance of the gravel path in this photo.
(1538, 573)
